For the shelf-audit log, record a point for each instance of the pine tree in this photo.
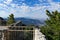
(11, 19)
(52, 27)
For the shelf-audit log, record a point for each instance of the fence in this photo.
(19, 33)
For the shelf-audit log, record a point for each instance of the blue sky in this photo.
(34, 9)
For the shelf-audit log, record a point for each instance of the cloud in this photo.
(2, 14)
(7, 1)
(24, 10)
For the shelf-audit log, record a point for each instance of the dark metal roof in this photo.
(18, 23)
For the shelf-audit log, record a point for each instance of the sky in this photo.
(35, 9)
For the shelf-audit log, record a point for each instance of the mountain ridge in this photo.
(29, 21)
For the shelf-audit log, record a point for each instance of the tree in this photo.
(11, 19)
(52, 27)
(2, 22)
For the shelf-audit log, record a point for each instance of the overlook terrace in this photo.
(9, 33)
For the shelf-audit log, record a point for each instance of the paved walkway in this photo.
(39, 35)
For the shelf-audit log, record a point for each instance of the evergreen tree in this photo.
(11, 19)
(2, 22)
(52, 27)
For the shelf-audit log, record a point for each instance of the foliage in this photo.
(10, 19)
(2, 22)
(52, 27)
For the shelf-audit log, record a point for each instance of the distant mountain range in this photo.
(29, 21)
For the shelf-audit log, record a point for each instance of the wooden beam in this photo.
(21, 30)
